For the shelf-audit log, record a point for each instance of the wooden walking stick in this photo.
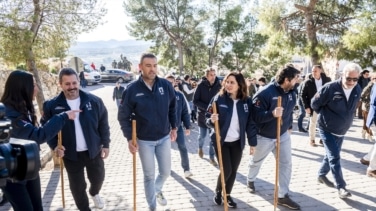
(279, 103)
(134, 137)
(59, 145)
(219, 147)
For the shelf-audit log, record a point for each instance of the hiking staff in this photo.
(279, 102)
(218, 140)
(134, 143)
(59, 145)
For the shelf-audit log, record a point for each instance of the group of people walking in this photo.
(162, 116)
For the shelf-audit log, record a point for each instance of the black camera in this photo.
(19, 159)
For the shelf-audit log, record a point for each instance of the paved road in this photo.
(197, 193)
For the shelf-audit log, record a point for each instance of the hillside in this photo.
(105, 52)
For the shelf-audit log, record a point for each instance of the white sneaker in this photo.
(161, 199)
(188, 174)
(98, 201)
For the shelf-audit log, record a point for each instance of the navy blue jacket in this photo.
(335, 112)
(264, 103)
(225, 107)
(93, 119)
(202, 97)
(154, 110)
(182, 114)
(22, 127)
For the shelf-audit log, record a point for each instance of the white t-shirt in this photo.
(347, 92)
(233, 133)
(80, 139)
(318, 84)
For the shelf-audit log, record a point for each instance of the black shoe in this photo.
(303, 130)
(324, 180)
(321, 142)
(364, 162)
(251, 187)
(287, 202)
(217, 199)
(230, 202)
(343, 193)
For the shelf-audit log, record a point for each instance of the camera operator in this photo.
(20, 90)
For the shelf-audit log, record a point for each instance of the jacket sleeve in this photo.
(251, 129)
(197, 98)
(103, 127)
(185, 114)
(304, 94)
(320, 99)
(262, 112)
(46, 121)
(114, 94)
(172, 107)
(124, 115)
(25, 130)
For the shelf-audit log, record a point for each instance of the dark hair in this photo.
(262, 79)
(66, 71)
(365, 71)
(287, 72)
(147, 55)
(242, 92)
(186, 77)
(18, 93)
(208, 71)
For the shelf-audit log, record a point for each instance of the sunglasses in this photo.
(352, 79)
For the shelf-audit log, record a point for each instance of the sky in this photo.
(114, 26)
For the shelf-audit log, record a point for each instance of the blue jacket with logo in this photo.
(93, 119)
(154, 110)
(22, 127)
(225, 105)
(264, 103)
(335, 112)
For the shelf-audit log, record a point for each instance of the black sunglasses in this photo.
(352, 79)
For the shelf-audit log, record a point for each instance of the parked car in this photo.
(91, 76)
(115, 75)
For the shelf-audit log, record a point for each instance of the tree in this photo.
(315, 26)
(168, 23)
(31, 30)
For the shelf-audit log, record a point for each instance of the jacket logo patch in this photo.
(223, 106)
(257, 103)
(177, 97)
(60, 108)
(139, 94)
(161, 90)
(88, 106)
(290, 97)
(245, 107)
(275, 98)
(337, 97)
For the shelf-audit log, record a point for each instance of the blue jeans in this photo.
(263, 148)
(201, 140)
(180, 141)
(302, 114)
(149, 151)
(118, 102)
(331, 161)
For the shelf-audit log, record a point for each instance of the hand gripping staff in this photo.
(219, 147)
(134, 143)
(59, 145)
(279, 103)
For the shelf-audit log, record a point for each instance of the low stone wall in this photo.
(50, 83)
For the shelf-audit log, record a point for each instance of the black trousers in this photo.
(231, 157)
(24, 195)
(76, 175)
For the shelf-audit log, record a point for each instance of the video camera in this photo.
(19, 159)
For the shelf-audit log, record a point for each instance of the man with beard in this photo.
(85, 141)
(266, 114)
(336, 104)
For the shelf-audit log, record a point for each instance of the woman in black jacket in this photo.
(235, 122)
(20, 90)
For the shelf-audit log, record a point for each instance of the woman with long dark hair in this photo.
(19, 92)
(234, 109)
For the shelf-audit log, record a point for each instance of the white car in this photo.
(91, 76)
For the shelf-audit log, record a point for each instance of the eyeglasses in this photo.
(373, 78)
(352, 79)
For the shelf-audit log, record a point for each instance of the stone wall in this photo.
(50, 83)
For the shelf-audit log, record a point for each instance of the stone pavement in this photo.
(197, 193)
